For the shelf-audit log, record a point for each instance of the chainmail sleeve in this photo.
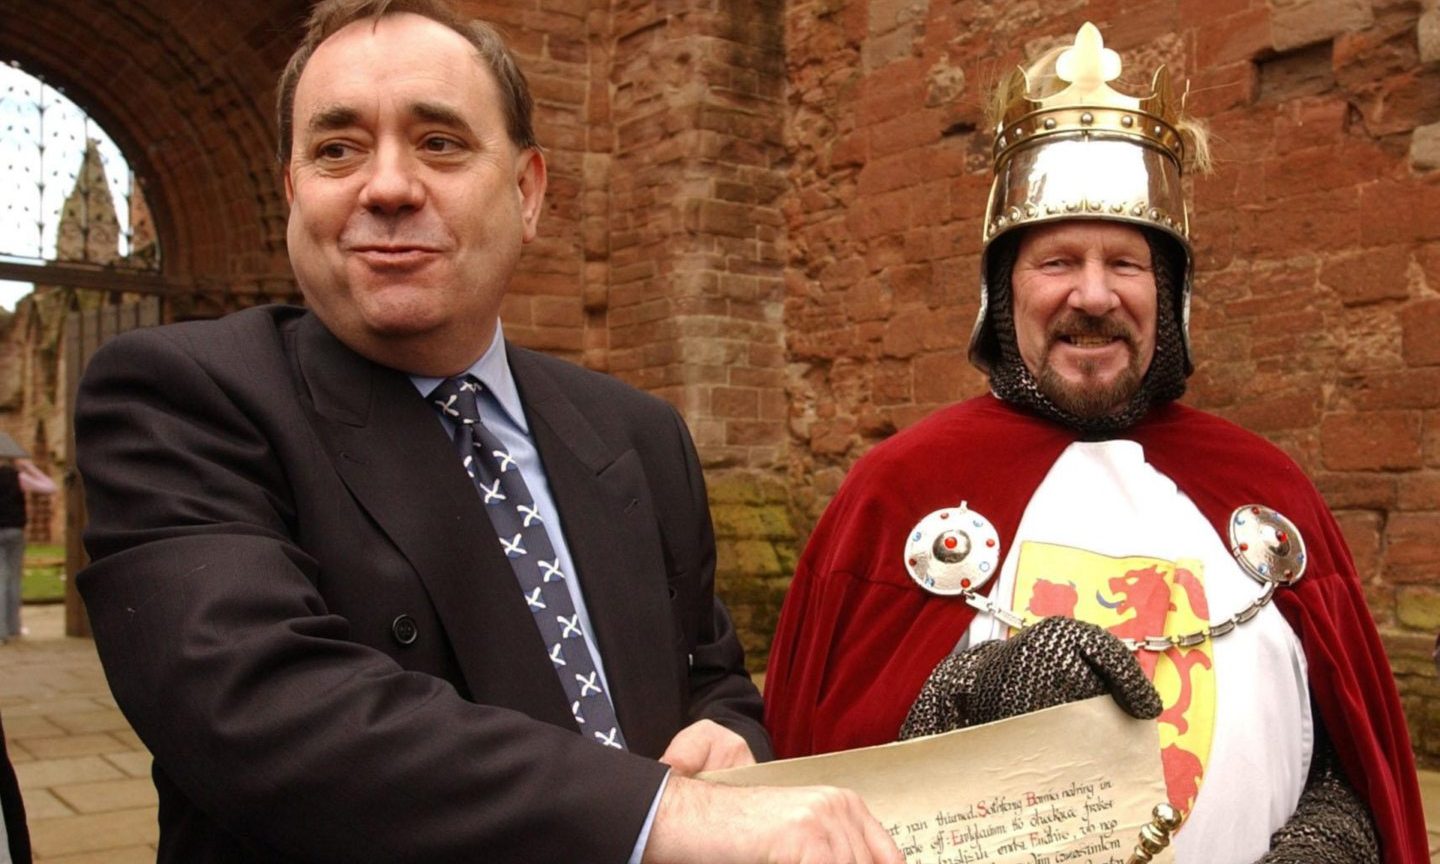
(1330, 825)
(1056, 661)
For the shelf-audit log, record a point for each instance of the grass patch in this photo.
(44, 577)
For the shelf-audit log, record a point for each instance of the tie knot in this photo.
(455, 398)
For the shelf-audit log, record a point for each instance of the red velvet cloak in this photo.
(857, 638)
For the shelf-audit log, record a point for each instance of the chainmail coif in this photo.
(1011, 381)
(1056, 661)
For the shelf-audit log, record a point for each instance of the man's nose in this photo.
(1092, 292)
(394, 185)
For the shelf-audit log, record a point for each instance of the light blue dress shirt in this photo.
(504, 416)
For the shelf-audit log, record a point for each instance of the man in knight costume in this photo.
(1078, 532)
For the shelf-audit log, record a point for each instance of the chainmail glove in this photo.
(1330, 825)
(1056, 661)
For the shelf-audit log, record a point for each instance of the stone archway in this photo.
(185, 89)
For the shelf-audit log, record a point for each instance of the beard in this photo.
(1090, 397)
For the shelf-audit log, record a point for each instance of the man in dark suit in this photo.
(317, 615)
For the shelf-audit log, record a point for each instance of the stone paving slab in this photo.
(83, 773)
(128, 855)
(94, 832)
(135, 763)
(42, 804)
(49, 773)
(107, 796)
(62, 746)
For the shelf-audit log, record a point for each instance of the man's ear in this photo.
(289, 185)
(530, 179)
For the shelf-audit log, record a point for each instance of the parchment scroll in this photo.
(1068, 785)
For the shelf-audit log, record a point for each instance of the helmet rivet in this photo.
(1000, 142)
(1117, 208)
(1154, 214)
(1127, 121)
(1049, 122)
(1087, 118)
(1071, 207)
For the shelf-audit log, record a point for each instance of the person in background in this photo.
(1079, 532)
(18, 477)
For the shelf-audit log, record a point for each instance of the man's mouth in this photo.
(391, 250)
(1088, 341)
(1089, 332)
(394, 258)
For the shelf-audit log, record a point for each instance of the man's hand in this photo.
(706, 746)
(712, 824)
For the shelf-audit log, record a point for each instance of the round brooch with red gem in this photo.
(952, 551)
(1266, 545)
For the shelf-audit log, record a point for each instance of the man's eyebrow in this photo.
(335, 117)
(331, 118)
(435, 112)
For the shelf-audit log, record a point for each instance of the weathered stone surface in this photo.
(1303, 22)
(1427, 32)
(1425, 147)
(1419, 607)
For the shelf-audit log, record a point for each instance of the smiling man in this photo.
(1078, 532)
(373, 584)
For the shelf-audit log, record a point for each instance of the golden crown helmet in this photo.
(1086, 151)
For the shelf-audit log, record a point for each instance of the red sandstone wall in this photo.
(1316, 312)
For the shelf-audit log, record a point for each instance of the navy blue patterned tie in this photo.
(523, 536)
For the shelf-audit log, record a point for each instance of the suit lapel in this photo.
(611, 531)
(394, 456)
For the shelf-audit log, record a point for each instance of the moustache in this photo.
(1080, 324)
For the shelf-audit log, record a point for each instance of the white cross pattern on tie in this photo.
(447, 407)
(513, 549)
(571, 625)
(522, 532)
(587, 684)
(491, 492)
(529, 513)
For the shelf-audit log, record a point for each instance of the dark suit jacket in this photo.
(12, 808)
(273, 518)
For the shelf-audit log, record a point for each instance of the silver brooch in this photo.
(1266, 545)
(952, 551)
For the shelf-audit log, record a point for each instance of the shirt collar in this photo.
(493, 370)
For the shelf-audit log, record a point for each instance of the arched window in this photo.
(71, 209)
